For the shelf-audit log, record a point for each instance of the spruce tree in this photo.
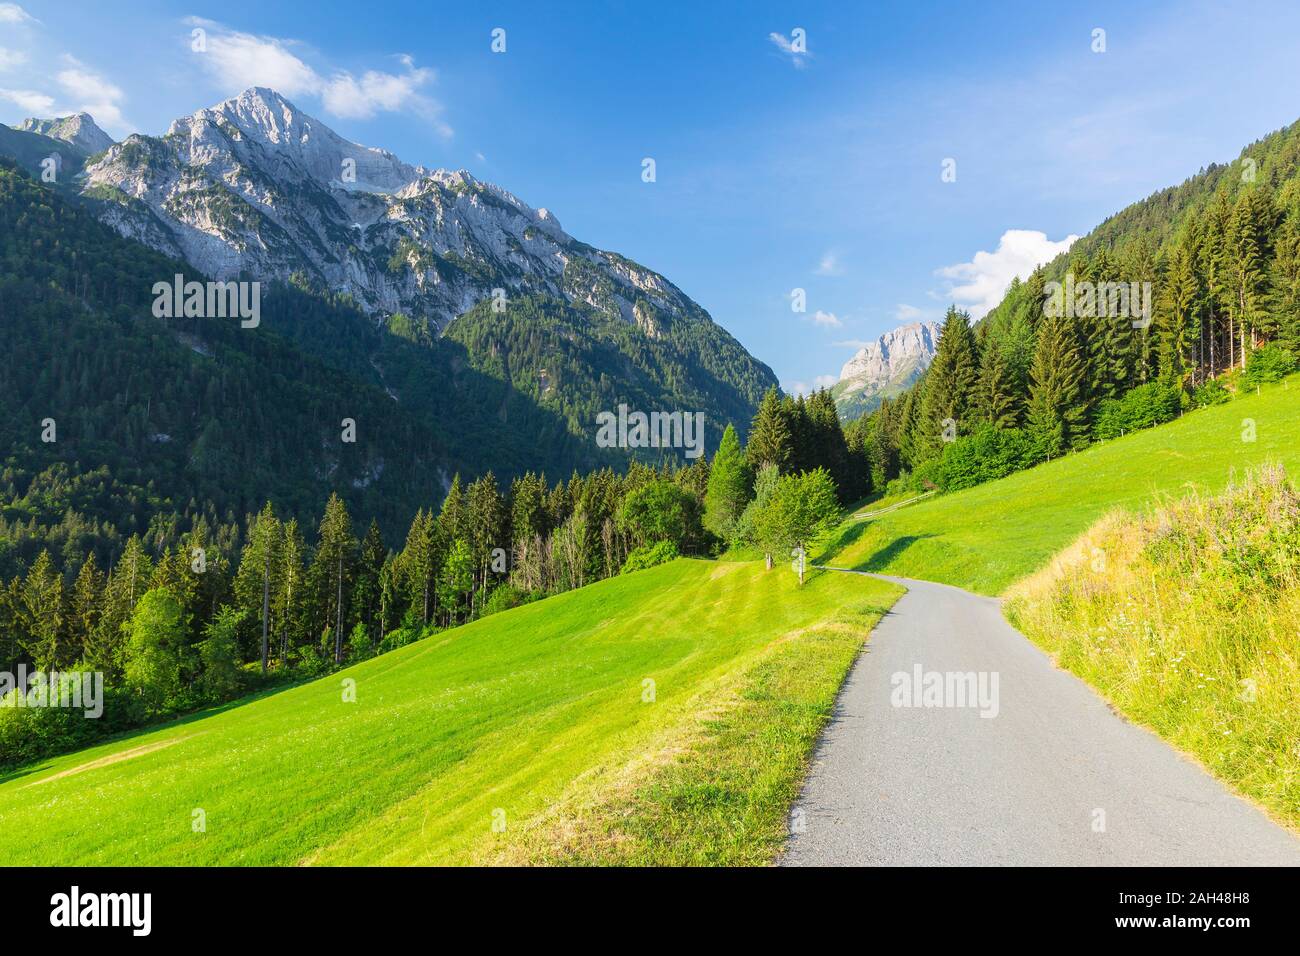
(731, 481)
(770, 441)
(996, 401)
(950, 385)
(1058, 408)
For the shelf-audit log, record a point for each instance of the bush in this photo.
(311, 662)
(1268, 363)
(219, 652)
(361, 645)
(502, 598)
(401, 637)
(647, 556)
(1210, 393)
(1143, 407)
(662, 511)
(986, 454)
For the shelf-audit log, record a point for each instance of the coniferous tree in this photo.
(42, 613)
(950, 385)
(1058, 408)
(332, 570)
(770, 441)
(730, 483)
(996, 401)
(367, 591)
(87, 607)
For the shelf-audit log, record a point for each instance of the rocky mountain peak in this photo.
(77, 130)
(885, 367)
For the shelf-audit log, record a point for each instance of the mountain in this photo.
(31, 150)
(255, 187)
(884, 368)
(78, 130)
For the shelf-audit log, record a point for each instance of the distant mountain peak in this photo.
(885, 367)
(77, 130)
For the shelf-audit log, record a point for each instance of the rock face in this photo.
(78, 130)
(255, 185)
(884, 368)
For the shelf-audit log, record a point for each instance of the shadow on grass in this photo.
(881, 560)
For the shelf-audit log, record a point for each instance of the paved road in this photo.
(1055, 778)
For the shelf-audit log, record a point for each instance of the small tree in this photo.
(769, 476)
(660, 511)
(154, 646)
(456, 579)
(731, 481)
(801, 510)
(219, 652)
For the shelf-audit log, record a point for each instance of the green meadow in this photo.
(986, 537)
(479, 743)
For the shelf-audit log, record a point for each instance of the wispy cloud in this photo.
(794, 46)
(12, 13)
(11, 58)
(825, 319)
(237, 60)
(38, 104)
(909, 313)
(804, 388)
(981, 283)
(91, 93)
(829, 264)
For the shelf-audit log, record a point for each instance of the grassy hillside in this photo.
(535, 717)
(1186, 618)
(985, 538)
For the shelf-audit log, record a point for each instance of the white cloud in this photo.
(345, 96)
(803, 388)
(243, 60)
(981, 283)
(786, 45)
(37, 104)
(830, 264)
(12, 13)
(239, 60)
(827, 319)
(910, 314)
(854, 344)
(11, 58)
(92, 93)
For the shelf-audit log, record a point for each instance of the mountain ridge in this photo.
(885, 367)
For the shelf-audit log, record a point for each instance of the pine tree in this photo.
(950, 385)
(87, 607)
(485, 512)
(255, 578)
(1179, 318)
(1058, 409)
(730, 482)
(770, 441)
(419, 563)
(996, 401)
(332, 571)
(290, 589)
(42, 610)
(367, 591)
(1245, 251)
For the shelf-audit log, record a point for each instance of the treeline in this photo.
(206, 615)
(1036, 380)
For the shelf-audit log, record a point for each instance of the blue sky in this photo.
(774, 170)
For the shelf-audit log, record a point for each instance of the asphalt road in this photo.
(1051, 777)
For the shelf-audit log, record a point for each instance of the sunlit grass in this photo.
(496, 722)
(986, 537)
(1188, 620)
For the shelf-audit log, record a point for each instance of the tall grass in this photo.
(1187, 618)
